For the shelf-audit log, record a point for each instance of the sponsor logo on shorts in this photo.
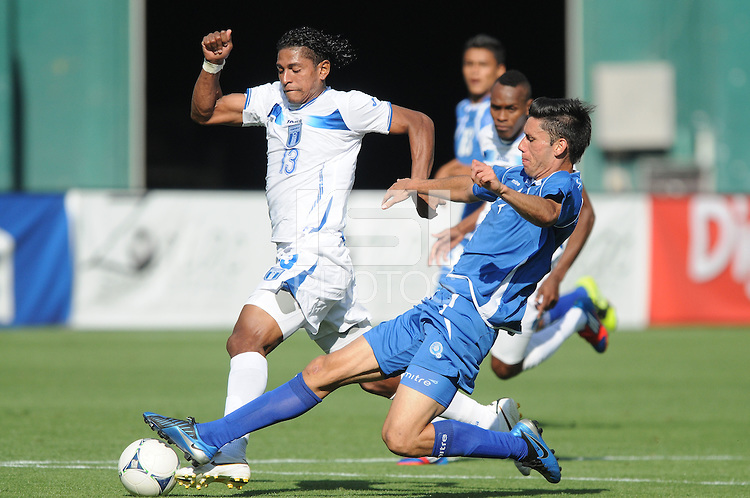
(419, 379)
(436, 350)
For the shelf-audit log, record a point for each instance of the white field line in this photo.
(111, 464)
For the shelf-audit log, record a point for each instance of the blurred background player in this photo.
(314, 135)
(483, 62)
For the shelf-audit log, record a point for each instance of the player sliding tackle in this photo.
(439, 344)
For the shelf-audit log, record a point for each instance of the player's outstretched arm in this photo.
(540, 211)
(209, 105)
(454, 167)
(454, 188)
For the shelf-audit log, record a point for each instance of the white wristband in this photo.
(212, 68)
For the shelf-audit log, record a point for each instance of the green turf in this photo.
(661, 413)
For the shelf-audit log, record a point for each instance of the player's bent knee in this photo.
(397, 443)
(320, 375)
(316, 367)
(505, 371)
(253, 335)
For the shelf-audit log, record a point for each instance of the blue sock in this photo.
(286, 401)
(566, 302)
(460, 439)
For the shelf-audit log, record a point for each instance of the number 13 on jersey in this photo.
(289, 161)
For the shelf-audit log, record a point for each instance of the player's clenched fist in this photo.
(217, 45)
(484, 176)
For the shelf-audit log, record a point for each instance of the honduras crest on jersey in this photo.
(294, 133)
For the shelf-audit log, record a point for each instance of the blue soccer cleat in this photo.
(182, 434)
(540, 457)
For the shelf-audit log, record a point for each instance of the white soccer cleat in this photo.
(507, 416)
(234, 475)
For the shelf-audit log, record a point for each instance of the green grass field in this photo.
(661, 413)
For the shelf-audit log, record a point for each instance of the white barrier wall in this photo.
(166, 259)
(617, 255)
(183, 259)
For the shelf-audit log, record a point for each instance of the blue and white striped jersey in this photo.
(507, 255)
(312, 154)
(470, 118)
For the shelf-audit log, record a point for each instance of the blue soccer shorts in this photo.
(444, 335)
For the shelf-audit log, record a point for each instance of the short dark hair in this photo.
(321, 46)
(565, 118)
(515, 78)
(490, 43)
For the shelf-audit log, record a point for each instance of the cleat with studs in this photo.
(540, 457)
(234, 475)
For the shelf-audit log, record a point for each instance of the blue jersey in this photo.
(470, 118)
(508, 255)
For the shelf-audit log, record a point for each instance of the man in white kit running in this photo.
(314, 134)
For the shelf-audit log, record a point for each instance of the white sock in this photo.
(248, 377)
(546, 341)
(465, 409)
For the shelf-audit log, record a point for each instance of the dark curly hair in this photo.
(321, 46)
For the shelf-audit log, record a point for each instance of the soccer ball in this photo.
(147, 468)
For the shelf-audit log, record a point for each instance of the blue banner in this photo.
(36, 270)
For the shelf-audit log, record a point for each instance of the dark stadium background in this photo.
(408, 55)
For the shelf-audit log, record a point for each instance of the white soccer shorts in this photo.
(314, 290)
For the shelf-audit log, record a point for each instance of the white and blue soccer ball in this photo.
(147, 468)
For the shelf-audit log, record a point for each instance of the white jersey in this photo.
(498, 152)
(312, 154)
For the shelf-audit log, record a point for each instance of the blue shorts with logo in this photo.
(444, 335)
